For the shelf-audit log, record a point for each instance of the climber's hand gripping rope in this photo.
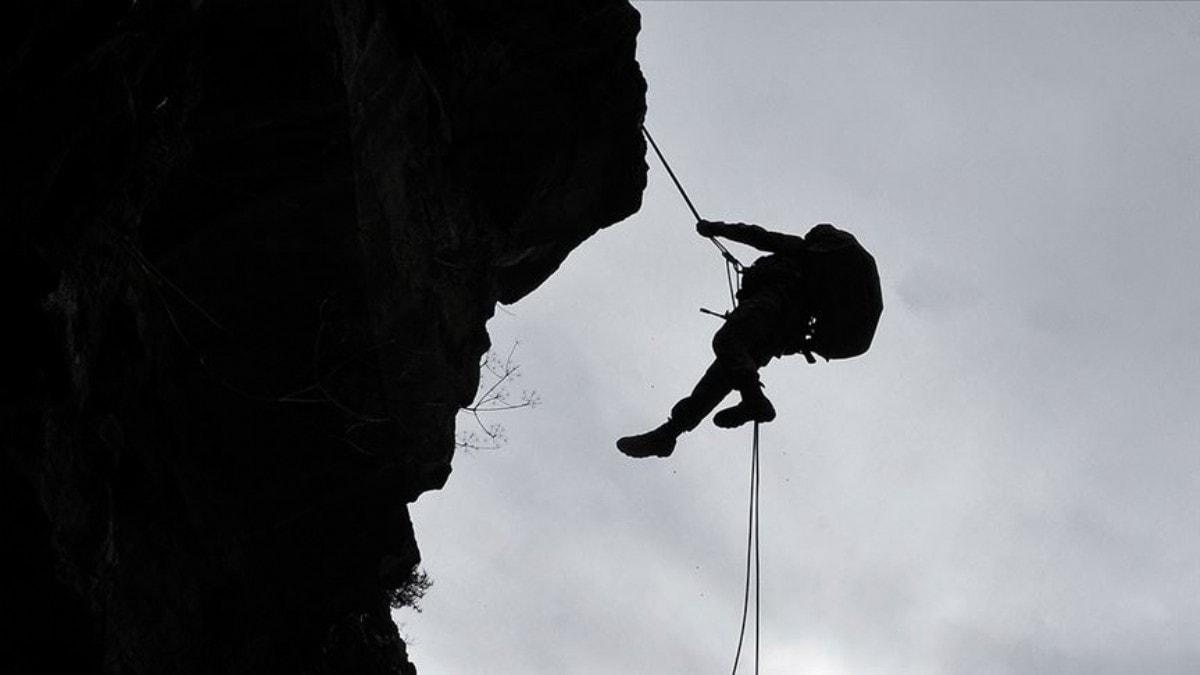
(711, 230)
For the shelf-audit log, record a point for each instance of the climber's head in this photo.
(822, 230)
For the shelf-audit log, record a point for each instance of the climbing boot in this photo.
(754, 407)
(657, 443)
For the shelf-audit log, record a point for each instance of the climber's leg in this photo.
(685, 415)
(744, 344)
(710, 390)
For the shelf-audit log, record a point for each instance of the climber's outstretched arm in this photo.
(752, 235)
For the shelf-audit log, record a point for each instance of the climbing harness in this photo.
(733, 279)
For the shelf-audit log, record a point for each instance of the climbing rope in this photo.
(733, 266)
(752, 540)
(733, 279)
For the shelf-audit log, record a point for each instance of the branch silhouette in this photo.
(496, 374)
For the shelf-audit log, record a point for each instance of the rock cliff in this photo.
(248, 259)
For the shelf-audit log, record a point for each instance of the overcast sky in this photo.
(1008, 482)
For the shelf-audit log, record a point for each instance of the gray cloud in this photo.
(1007, 483)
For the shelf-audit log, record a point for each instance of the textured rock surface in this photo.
(248, 264)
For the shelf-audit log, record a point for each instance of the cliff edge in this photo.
(249, 258)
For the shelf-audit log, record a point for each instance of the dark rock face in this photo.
(248, 262)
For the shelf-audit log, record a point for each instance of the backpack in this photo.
(842, 292)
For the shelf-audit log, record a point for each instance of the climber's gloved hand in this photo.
(709, 228)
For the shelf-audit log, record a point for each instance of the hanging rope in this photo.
(752, 540)
(733, 279)
(733, 266)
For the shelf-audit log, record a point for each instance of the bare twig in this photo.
(494, 396)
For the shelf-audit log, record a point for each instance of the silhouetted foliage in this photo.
(496, 374)
(409, 593)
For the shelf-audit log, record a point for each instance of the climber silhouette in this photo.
(816, 294)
